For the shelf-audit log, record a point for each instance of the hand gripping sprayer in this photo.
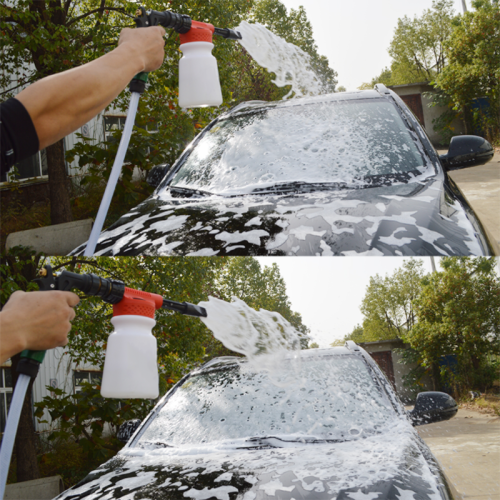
(130, 367)
(199, 86)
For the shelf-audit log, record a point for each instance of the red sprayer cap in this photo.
(137, 303)
(199, 32)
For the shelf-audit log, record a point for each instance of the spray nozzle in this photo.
(178, 22)
(112, 291)
(228, 33)
(181, 23)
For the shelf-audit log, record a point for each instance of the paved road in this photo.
(468, 449)
(481, 187)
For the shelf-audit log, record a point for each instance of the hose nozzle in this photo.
(181, 23)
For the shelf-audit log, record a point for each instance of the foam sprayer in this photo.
(199, 87)
(130, 366)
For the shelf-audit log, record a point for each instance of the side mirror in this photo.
(467, 151)
(432, 407)
(156, 174)
(127, 429)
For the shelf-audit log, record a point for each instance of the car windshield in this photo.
(329, 398)
(323, 142)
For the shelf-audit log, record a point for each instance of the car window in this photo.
(329, 398)
(325, 142)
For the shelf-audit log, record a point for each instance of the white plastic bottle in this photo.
(199, 84)
(130, 369)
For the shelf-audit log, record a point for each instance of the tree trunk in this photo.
(60, 206)
(25, 444)
(436, 377)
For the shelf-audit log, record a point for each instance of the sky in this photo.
(355, 35)
(327, 292)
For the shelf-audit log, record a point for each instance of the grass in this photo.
(487, 403)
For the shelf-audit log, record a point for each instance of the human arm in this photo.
(36, 321)
(60, 104)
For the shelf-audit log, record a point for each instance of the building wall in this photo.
(430, 113)
(400, 370)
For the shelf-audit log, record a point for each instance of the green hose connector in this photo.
(138, 83)
(30, 362)
(141, 76)
(34, 355)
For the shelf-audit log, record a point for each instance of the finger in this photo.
(16, 295)
(63, 341)
(71, 298)
(161, 29)
(72, 314)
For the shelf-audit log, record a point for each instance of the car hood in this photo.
(417, 218)
(383, 468)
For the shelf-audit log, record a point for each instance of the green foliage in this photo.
(68, 460)
(18, 269)
(473, 70)
(86, 416)
(357, 335)
(385, 77)
(458, 313)
(294, 27)
(417, 48)
(244, 278)
(387, 305)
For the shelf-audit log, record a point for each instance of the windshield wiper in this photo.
(188, 192)
(264, 440)
(302, 186)
(158, 444)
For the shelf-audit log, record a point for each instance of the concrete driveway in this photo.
(468, 449)
(481, 187)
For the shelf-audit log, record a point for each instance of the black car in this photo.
(342, 174)
(326, 424)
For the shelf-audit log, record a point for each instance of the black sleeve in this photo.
(18, 137)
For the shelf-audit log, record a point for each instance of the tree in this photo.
(385, 77)
(294, 27)
(259, 288)
(473, 70)
(41, 38)
(417, 48)
(458, 312)
(357, 335)
(388, 303)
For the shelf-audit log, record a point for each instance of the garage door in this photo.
(384, 361)
(414, 102)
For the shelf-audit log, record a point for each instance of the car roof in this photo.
(337, 96)
(305, 353)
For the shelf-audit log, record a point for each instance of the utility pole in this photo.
(464, 6)
(433, 264)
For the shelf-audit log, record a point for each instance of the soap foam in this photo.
(265, 338)
(290, 64)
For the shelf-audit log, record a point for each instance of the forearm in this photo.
(10, 342)
(60, 104)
